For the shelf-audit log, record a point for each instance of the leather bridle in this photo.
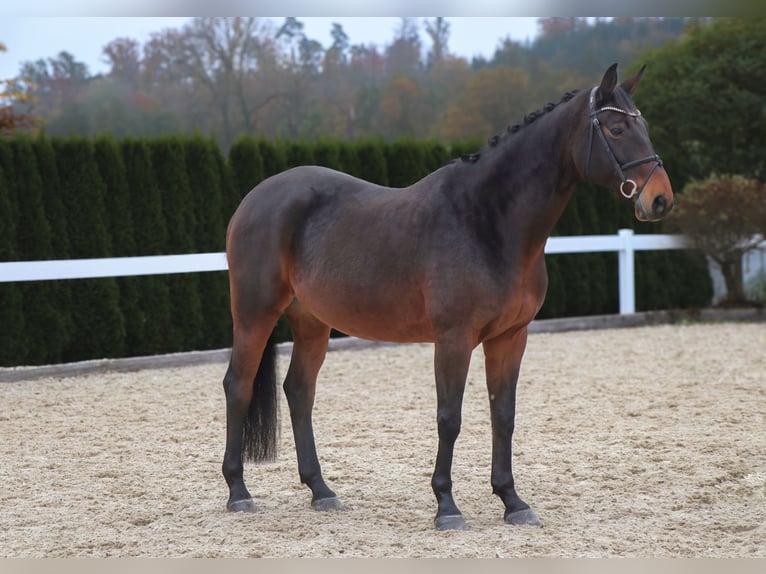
(618, 167)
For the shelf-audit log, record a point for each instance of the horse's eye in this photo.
(616, 131)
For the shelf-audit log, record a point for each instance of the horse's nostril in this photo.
(660, 205)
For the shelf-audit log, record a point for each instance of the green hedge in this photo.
(81, 198)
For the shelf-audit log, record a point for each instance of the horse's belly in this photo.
(378, 312)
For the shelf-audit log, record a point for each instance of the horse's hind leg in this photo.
(251, 409)
(310, 337)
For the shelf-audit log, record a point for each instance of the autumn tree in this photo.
(725, 217)
(399, 107)
(58, 85)
(124, 58)
(230, 76)
(16, 109)
(491, 100)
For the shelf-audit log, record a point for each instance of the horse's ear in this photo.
(631, 83)
(608, 83)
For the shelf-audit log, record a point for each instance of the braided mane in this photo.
(514, 128)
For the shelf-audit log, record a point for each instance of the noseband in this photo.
(618, 168)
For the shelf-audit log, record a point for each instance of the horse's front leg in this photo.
(503, 359)
(451, 361)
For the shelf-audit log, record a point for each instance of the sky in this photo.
(32, 38)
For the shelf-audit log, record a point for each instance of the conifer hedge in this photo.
(84, 198)
(97, 326)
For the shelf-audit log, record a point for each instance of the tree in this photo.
(56, 85)
(120, 224)
(298, 152)
(491, 100)
(725, 217)
(124, 59)
(399, 107)
(301, 67)
(403, 54)
(371, 162)
(233, 75)
(438, 31)
(98, 328)
(443, 85)
(704, 98)
(215, 62)
(55, 213)
(44, 318)
(336, 89)
(327, 153)
(13, 342)
(406, 162)
(170, 172)
(150, 233)
(247, 165)
(15, 107)
(205, 181)
(337, 54)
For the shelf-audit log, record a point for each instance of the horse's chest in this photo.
(520, 301)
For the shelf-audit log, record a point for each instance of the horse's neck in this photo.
(532, 176)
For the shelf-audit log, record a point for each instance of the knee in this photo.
(228, 379)
(448, 422)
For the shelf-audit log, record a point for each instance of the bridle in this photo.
(618, 168)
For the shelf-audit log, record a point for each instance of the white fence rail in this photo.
(625, 243)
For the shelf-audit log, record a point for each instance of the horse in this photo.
(456, 259)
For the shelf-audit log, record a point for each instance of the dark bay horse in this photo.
(455, 259)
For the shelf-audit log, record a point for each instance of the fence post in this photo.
(626, 273)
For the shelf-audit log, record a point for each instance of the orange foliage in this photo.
(11, 119)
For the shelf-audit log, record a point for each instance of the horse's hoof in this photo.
(526, 517)
(327, 504)
(246, 505)
(451, 522)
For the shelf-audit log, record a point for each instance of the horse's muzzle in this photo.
(656, 199)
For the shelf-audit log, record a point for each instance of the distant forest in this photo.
(229, 77)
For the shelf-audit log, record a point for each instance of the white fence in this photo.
(625, 243)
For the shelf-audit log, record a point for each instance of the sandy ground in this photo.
(641, 442)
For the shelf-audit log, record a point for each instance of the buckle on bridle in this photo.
(633, 192)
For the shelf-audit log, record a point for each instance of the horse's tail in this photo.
(261, 429)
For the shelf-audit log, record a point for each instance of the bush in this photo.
(725, 217)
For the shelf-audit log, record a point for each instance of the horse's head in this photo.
(619, 154)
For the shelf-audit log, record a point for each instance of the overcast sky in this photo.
(29, 39)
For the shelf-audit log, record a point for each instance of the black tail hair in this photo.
(260, 433)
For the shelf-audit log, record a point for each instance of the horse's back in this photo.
(332, 240)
